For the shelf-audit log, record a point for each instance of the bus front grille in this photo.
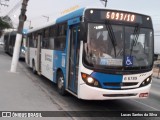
(119, 95)
(116, 84)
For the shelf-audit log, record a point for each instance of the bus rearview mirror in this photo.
(83, 33)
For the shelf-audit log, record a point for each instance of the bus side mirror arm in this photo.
(83, 32)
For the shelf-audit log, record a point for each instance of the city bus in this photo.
(9, 42)
(95, 53)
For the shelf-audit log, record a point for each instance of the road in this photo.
(71, 103)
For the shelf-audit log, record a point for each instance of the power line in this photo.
(14, 8)
(7, 17)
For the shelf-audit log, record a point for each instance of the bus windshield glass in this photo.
(118, 46)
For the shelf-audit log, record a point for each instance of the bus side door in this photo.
(39, 53)
(73, 59)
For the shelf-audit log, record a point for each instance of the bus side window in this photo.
(51, 43)
(60, 39)
(62, 29)
(31, 41)
(35, 40)
(52, 35)
(45, 40)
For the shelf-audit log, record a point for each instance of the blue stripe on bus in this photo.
(107, 78)
(57, 63)
(74, 21)
(72, 15)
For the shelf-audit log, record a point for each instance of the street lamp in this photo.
(105, 2)
(29, 24)
(46, 17)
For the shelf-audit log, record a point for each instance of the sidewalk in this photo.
(20, 93)
(155, 73)
(17, 92)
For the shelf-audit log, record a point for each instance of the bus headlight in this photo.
(23, 51)
(146, 81)
(90, 80)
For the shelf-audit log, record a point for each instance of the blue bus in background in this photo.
(95, 53)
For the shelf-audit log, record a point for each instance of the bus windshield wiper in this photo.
(136, 35)
(111, 34)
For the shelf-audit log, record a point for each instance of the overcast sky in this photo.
(53, 8)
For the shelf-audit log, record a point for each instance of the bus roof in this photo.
(41, 27)
(74, 14)
(71, 15)
(10, 33)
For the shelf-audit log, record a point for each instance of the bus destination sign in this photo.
(120, 16)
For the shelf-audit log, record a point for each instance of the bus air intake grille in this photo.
(119, 95)
(115, 84)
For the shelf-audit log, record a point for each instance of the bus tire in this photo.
(60, 83)
(33, 67)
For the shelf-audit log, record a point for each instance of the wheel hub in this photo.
(60, 82)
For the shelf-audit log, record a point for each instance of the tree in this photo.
(3, 25)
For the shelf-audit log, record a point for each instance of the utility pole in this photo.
(22, 18)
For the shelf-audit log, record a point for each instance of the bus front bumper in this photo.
(92, 93)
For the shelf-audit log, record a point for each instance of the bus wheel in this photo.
(33, 67)
(60, 83)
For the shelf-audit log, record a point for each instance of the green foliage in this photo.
(4, 24)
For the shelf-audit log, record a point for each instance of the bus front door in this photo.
(73, 59)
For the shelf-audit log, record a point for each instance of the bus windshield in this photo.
(131, 46)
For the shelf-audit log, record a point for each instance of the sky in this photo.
(37, 9)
